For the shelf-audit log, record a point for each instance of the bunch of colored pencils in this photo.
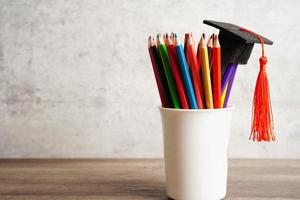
(190, 77)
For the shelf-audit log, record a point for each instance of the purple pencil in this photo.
(234, 67)
(226, 77)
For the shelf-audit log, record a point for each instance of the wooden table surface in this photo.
(142, 179)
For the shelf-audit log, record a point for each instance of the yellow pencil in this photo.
(206, 76)
(223, 96)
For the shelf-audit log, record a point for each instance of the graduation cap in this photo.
(236, 47)
(236, 43)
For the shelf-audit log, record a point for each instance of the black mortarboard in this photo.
(236, 45)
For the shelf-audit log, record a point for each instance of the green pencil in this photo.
(163, 52)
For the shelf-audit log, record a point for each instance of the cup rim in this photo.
(229, 108)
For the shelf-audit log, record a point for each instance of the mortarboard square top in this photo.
(236, 45)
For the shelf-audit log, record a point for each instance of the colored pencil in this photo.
(226, 77)
(199, 55)
(209, 50)
(199, 58)
(184, 71)
(185, 43)
(216, 72)
(163, 52)
(230, 83)
(160, 78)
(206, 77)
(175, 69)
(193, 66)
(172, 37)
(223, 96)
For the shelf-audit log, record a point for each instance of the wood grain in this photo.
(142, 179)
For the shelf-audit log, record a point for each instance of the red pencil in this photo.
(175, 70)
(186, 36)
(216, 72)
(194, 70)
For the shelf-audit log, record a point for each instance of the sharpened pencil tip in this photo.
(216, 41)
(158, 35)
(189, 39)
(202, 42)
(168, 41)
(160, 40)
(152, 42)
(210, 41)
(176, 40)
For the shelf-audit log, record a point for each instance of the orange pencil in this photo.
(194, 70)
(216, 72)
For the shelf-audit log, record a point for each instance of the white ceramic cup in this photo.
(195, 152)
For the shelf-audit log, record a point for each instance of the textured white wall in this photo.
(76, 79)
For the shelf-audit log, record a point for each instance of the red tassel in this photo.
(262, 116)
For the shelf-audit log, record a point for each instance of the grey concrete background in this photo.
(76, 79)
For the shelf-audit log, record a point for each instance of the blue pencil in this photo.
(187, 82)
